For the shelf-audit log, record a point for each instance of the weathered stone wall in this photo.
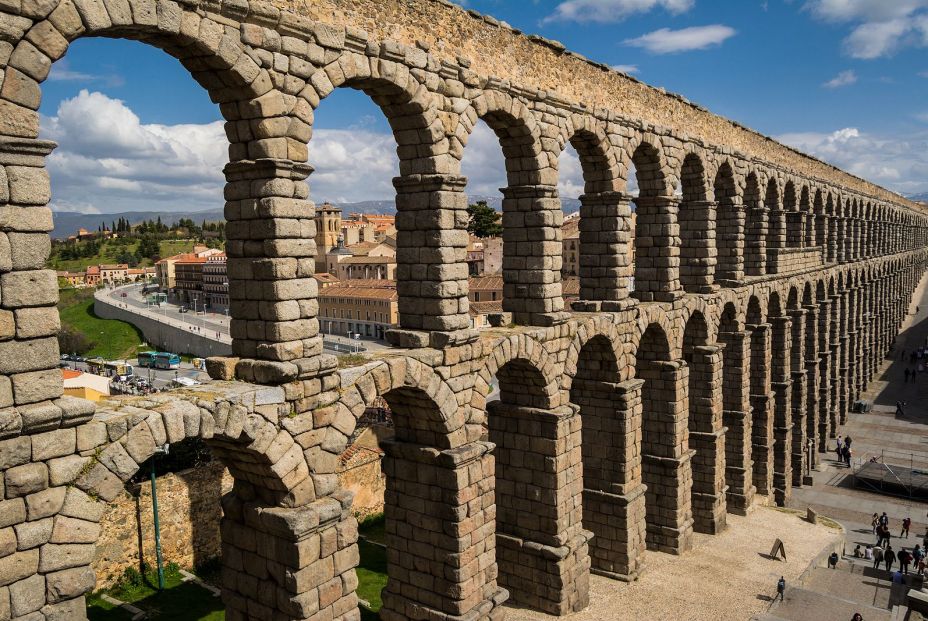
(189, 513)
(739, 245)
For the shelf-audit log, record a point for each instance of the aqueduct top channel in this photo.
(768, 285)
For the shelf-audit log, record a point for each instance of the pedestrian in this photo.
(883, 536)
(917, 555)
(857, 551)
(833, 560)
(884, 519)
(839, 447)
(868, 552)
(877, 557)
(847, 456)
(889, 557)
(904, 559)
(857, 617)
(875, 522)
(906, 523)
(899, 404)
(781, 588)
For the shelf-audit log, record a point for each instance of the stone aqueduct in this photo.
(768, 286)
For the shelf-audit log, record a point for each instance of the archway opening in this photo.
(664, 445)
(698, 232)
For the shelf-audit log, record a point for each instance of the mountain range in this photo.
(68, 222)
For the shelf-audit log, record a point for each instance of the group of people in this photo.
(918, 358)
(843, 449)
(883, 553)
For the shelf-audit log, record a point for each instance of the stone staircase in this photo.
(836, 594)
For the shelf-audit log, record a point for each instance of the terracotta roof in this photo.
(325, 278)
(191, 261)
(375, 283)
(492, 282)
(115, 266)
(93, 269)
(356, 455)
(484, 308)
(70, 373)
(361, 249)
(341, 291)
(361, 260)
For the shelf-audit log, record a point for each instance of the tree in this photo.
(72, 341)
(148, 248)
(484, 220)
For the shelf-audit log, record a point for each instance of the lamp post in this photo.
(154, 507)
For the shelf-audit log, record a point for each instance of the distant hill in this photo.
(923, 197)
(68, 222)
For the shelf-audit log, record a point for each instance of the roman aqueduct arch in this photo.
(767, 287)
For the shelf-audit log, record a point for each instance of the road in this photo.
(213, 325)
(159, 377)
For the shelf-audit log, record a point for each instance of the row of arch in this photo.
(636, 439)
(701, 219)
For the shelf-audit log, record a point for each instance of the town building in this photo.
(487, 288)
(570, 242)
(328, 228)
(74, 279)
(368, 308)
(188, 286)
(492, 255)
(85, 385)
(167, 280)
(216, 283)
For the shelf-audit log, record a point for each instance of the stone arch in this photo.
(216, 59)
(697, 227)
(704, 415)
(760, 395)
(665, 456)
(653, 315)
(805, 210)
(601, 327)
(245, 431)
(610, 420)
(532, 215)
(756, 227)
(438, 420)
(598, 159)
(729, 240)
(529, 357)
(657, 241)
(776, 228)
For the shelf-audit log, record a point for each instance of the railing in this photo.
(897, 473)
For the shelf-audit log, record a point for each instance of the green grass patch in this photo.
(111, 250)
(112, 339)
(373, 528)
(180, 601)
(350, 360)
(372, 574)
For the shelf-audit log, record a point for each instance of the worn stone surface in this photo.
(767, 285)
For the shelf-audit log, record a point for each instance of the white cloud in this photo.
(845, 78)
(881, 27)
(923, 74)
(61, 72)
(666, 41)
(108, 160)
(608, 11)
(629, 69)
(897, 162)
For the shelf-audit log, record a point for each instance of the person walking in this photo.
(875, 522)
(883, 535)
(877, 557)
(781, 588)
(889, 557)
(904, 559)
(917, 556)
(839, 448)
(847, 455)
(833, 560)
(906, 523)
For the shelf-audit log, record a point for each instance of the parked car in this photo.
(183, 309)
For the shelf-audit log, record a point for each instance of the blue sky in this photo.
(846, 80)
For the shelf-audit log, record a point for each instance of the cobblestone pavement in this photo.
(725, 577)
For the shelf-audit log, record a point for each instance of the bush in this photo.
(70, 341)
